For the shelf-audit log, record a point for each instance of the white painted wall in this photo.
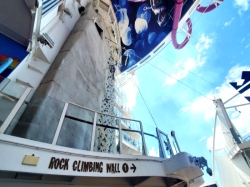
(58, 32)
(13, 150)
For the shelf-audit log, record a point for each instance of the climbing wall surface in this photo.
(82, 74)
(79, 71)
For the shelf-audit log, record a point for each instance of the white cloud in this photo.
(206, 108)
(191, 63)
(247, 46)
(243, 40)
(201, 60)
(204, 43)
(242, 5)
(152, 152)
(184, 68)
(228, 22)
(130, 91)
(203, 138)
(225, 91)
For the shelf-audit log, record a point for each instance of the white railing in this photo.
(22, 99)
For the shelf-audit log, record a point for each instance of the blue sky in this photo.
(218, 52)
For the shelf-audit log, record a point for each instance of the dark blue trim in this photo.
(53, 5)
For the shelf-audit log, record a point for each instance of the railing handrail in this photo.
(26, 93)
(246, 138)
(104, 113)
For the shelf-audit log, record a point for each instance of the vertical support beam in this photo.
(59, 126)
(14, 110)
(143, 140)
(120, 136)
(4, 83)
(160, 141)
(173, 135)
(237, 93)
(93, 134)
(213, 168)
(221, 110)
(170, 146)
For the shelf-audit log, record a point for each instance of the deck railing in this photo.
(28, 114)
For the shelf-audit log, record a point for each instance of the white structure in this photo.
(233, 158)
(48, 134)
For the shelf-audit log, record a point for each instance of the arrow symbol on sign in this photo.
(134, 168)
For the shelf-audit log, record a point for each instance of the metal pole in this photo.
(14, 110)
(238, 91)
(231, 98)
(4, 83)
(173, 135)
(93, 133)
(120, 136)
(160, 141)
(224, 112)
(237, 106)
(214, 146)
(143, 140)
(232, 129)
(170, 147)
(59, 126)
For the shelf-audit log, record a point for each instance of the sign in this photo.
(82, 166)
(245, 85)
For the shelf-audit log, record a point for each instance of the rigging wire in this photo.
(125, 97)
(132, 114)
(167, 73)
(176, 79)
(181, 82)
(144, 102)
(170, 40)
(197, 75)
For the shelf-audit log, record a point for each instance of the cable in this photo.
(168, 42)
(176, 80)
(144, 102)
(132, 115)
(181, 82)
(196, 75)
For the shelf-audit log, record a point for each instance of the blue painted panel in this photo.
(143, 25)
(4, 64)
(11, 49)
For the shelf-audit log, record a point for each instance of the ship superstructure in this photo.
(233, 151)
(58, 125)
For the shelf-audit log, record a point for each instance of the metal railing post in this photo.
(93, 134)
(14, 110)
(143, 140)
(120, 136)
(59, 126)
(4, 83)
(160, 141)
(170, 147)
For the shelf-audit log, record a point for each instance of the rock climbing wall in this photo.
(106, 137)
(82, 73)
